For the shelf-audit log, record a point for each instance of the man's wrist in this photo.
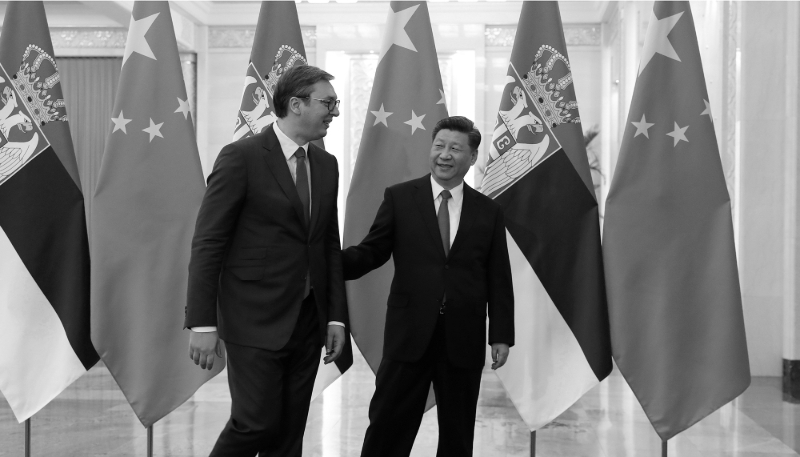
(336, 323)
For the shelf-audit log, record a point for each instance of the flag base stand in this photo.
(533, 443)
(663, 449)
(150, 441)
(27, 438)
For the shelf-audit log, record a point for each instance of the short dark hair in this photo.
(460, 124)
(296, 82)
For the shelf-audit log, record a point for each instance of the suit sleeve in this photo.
(337, 301)
(216, 221)
(376, 248)
(501, 287)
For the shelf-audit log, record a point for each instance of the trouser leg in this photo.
(299, 376)
(270, 393)
(456, 390)
(396, 409)
(255, 378)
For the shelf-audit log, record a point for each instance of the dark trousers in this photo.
(271, 392)
(401, 390)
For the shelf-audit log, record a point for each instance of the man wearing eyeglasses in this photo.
(265, 274)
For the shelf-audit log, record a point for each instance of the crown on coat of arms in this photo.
(547, 92)
(33, 86)
(279, 68)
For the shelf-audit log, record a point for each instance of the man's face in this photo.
(314, 115)
(451, 158)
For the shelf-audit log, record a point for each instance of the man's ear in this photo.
(474, 157)
(294, 105)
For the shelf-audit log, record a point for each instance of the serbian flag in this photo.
(277, 47)
(44, 250)
(407, 101)
(539, 173)
(145, 205)
(677, 328)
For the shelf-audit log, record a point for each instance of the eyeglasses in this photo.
(330, 104)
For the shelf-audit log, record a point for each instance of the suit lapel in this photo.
(316, 184)
(424, 200)
(468, 211)
(276, 162)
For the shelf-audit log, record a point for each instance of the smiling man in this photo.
(451, 264)
(265, 274)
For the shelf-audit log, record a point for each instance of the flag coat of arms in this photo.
(538, 172)
(407, 101)
(44, 249)
(673, 287)
(277, 47)
(145, 206)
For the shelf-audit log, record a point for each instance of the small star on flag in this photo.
(641, 127)
(120, 122)
(679, 134)
(415, 122)
(707, 111)
(441, 100)
(154, 130)
(183, 108)
(381, 116)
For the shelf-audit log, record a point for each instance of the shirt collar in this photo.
(456, 192)
(287, 144)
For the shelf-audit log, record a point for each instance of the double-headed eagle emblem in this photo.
(28, 104)
(533, 105)
(255, 117)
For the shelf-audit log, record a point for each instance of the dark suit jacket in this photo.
(476, 272)
(251, 250)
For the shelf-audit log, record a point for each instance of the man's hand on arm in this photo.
(334, 343)
(203, 348)
(499, 355)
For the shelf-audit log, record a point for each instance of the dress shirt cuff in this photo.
(336, 323)
(203, 329)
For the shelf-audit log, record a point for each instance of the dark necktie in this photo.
(301, 181)
(444, 221)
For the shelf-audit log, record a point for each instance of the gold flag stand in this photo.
(533, 443)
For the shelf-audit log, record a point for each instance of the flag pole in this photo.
(533, 443)
(150, 441)
(28, 437)
(664, 448)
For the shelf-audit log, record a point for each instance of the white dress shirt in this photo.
(289, 147)
(453, 204)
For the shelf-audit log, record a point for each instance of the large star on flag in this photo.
(415, 122)
(679, 134)
(120, 122)
(154, 130)
(136, 40)
(396, 33)
(641, 127)
(656, 41)
(381, 116)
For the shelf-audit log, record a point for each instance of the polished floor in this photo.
(91, 418)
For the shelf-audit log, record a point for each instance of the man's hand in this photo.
(334, 343)
(499, 355)
(203, 347)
